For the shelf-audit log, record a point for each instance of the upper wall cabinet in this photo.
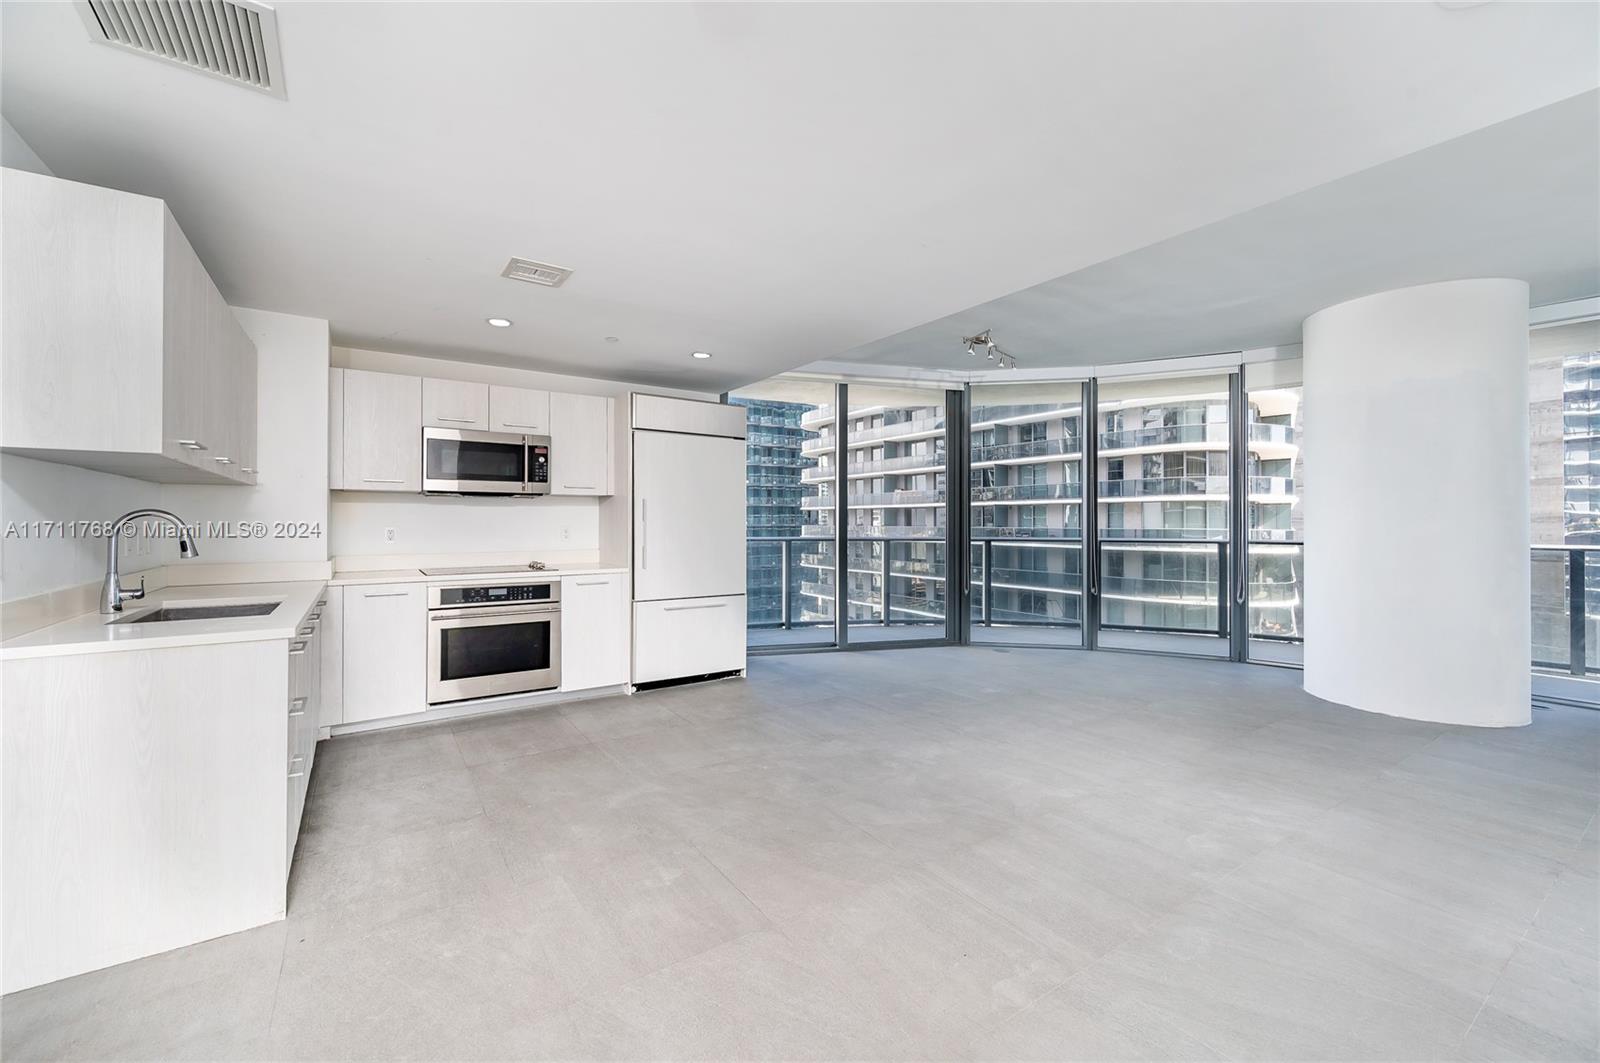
(118, 352)
(455, 404)
(379, 425)
(581, 462)
(376, 422)
(521, 410)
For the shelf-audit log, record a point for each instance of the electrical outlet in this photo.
(388, 535)
(566, 533)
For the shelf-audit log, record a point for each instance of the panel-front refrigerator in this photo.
(688, 539)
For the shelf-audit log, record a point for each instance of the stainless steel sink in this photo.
(168, 613)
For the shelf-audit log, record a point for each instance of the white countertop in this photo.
(415, 575)
(90, 633)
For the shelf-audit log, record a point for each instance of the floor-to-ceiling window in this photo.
(1162, 549)
(789, 515)
(1275, 511)
(896, 513)
(1025, 444)
(1564, 413)
(1120, 527)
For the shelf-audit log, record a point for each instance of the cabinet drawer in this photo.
(688, 636)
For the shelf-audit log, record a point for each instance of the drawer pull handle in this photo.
(296, 774)
(309, 629)
(708, 605)
(384, 594)
(321, 602)
(457, 420)
(519, 424)
(299, 707)
(297, 647)
(578, 487)
(592, 582)
(377, 480)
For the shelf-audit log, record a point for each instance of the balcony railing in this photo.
(1566, 609)
(1146, 487)
(879, 499)
(1068, 447)
(1026, 492)
(859, 469)
(1212, 435)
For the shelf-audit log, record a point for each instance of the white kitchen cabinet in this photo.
(522, 410)
(117, 350)
(331, 700)
(382, 431)
(685, 637)
(336, 429)
(455, 404)
(302, 711)
(581, 459)
(385, 650)
(594, 631)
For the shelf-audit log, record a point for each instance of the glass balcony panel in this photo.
(1026, 443)
(1162, 562)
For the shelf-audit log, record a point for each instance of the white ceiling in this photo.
(772, 183)
(1519, 199)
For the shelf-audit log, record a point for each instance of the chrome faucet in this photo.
(111, 593)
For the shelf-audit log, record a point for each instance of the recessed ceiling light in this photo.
(702, 355)
(500, 322)
(611, 339)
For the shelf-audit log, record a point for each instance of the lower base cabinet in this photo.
(594, 631)
(688, 637)
(385, 650)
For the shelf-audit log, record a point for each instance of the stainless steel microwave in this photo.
(459, 461)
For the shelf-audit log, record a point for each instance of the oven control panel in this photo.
(503, 594)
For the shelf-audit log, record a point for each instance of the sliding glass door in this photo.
(1162, 543)
(1156, 513)
(1025, 551)
(896, 514)
(789, 512)
(1275, 547)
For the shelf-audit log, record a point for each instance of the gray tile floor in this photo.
(940, 854)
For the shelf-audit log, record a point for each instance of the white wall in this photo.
(17, 154)
(291, 448)
(1417, 587)
(446, 525)
(43, 491)
(430, 525)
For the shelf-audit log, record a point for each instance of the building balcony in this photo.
(879, 500)
(1020, 413)
(1068, 448)
(858, 469)
(1027, 493)
(1214, 487)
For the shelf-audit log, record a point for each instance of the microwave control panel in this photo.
(538, 464)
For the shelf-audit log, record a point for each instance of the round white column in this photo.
(1416, 460)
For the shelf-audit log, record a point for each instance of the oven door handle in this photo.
(441, 615)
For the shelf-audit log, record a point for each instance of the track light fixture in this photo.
(990, 348)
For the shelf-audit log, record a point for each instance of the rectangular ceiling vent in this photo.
(236, 40)
(522, 269)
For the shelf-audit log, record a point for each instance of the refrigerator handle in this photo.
(644, 536)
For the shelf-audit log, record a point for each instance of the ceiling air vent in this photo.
(236, 40)
(522, 269)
